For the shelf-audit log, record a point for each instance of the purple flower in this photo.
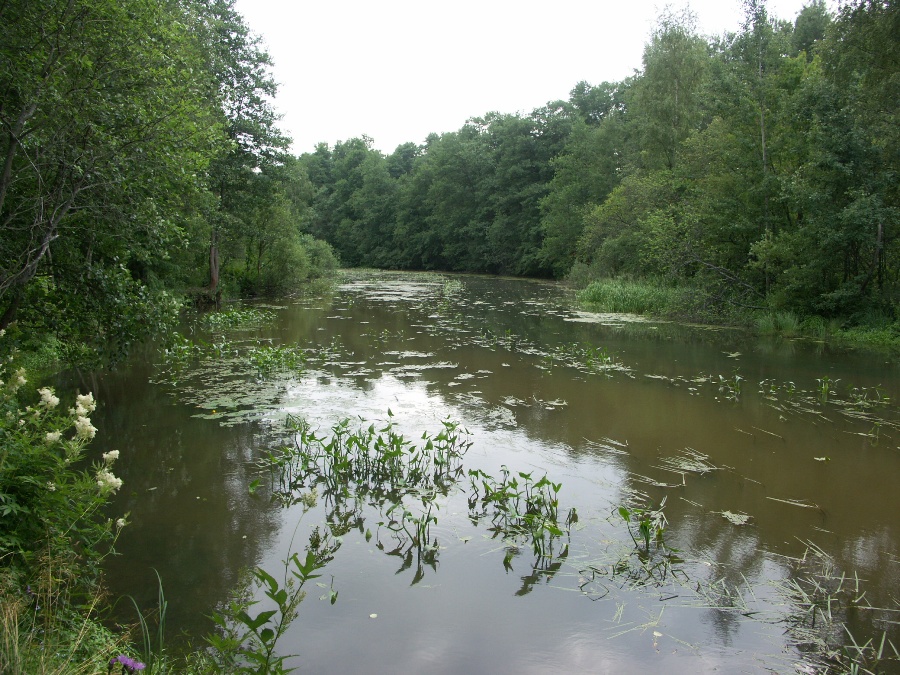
(129, 665)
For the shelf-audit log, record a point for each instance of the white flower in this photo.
(51, 486)
(53, 436)
(84, 428)
(107, 481)
(20, 377)
(111, 456)
(21, 423)
(309, 498)
(120, 523)
(84, 404)
(48, 398)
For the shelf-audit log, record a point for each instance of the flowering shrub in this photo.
(50, 505)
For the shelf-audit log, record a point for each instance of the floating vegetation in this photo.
(238, 317)
(688, 461)
(551, 405)
(270, 359)
(820, 598)
(735, 518)
(802, 503)
(607, 446)
(584, 357)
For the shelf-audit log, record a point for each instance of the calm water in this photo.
(604, 405)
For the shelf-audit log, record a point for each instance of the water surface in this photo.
(792, 432)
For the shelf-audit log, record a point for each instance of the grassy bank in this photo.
(648, 298)
(658, 299)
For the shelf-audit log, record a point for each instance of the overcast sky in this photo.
(397, 70)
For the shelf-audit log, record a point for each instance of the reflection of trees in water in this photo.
(185, 487)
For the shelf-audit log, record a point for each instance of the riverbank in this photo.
(657, 299)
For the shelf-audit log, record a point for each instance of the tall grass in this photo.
(633, 297)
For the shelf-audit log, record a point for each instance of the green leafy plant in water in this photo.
(731, 386)
(519, 507)
(865, 397)
(269, 359)
(246, 642)
(380, 466)
(153, 656)
(826, 387)
(237, 317)
(648, 523)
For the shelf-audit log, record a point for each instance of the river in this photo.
(777, 461)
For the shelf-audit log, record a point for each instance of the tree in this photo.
(665, 101)
(239, 68)
(104, 133)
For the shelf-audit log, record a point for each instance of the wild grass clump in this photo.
(633, 297)
(783, 323)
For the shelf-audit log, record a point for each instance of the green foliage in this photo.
(106, 132)
(237, 317)
(246, 643)
(648, 523)
(633, 297)
(54, 532)
(268, 359)
(48, 506)
(520, 507)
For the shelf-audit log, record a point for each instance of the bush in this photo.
(54, 533)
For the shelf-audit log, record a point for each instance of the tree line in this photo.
(140, 155)
(759, 168)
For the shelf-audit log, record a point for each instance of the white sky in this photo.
(397, 70)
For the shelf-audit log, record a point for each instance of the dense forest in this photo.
(141, 161)
(758, 169)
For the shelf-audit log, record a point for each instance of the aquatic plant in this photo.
(819, 599)
(731, 386)
(519, 507)
(151, 654)
(238, 317)
(649, 523)
(245, 644)
(826, 386)
(633, 297)
(268, 359)
(688, 461)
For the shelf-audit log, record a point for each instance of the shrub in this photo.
(50, 505)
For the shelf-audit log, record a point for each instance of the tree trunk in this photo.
(213, 263)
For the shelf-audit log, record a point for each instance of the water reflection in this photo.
(533, 386)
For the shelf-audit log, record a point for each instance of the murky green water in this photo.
(608, 407)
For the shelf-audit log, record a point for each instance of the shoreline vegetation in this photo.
(659, 300)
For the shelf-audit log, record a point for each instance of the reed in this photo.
(633, 297)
